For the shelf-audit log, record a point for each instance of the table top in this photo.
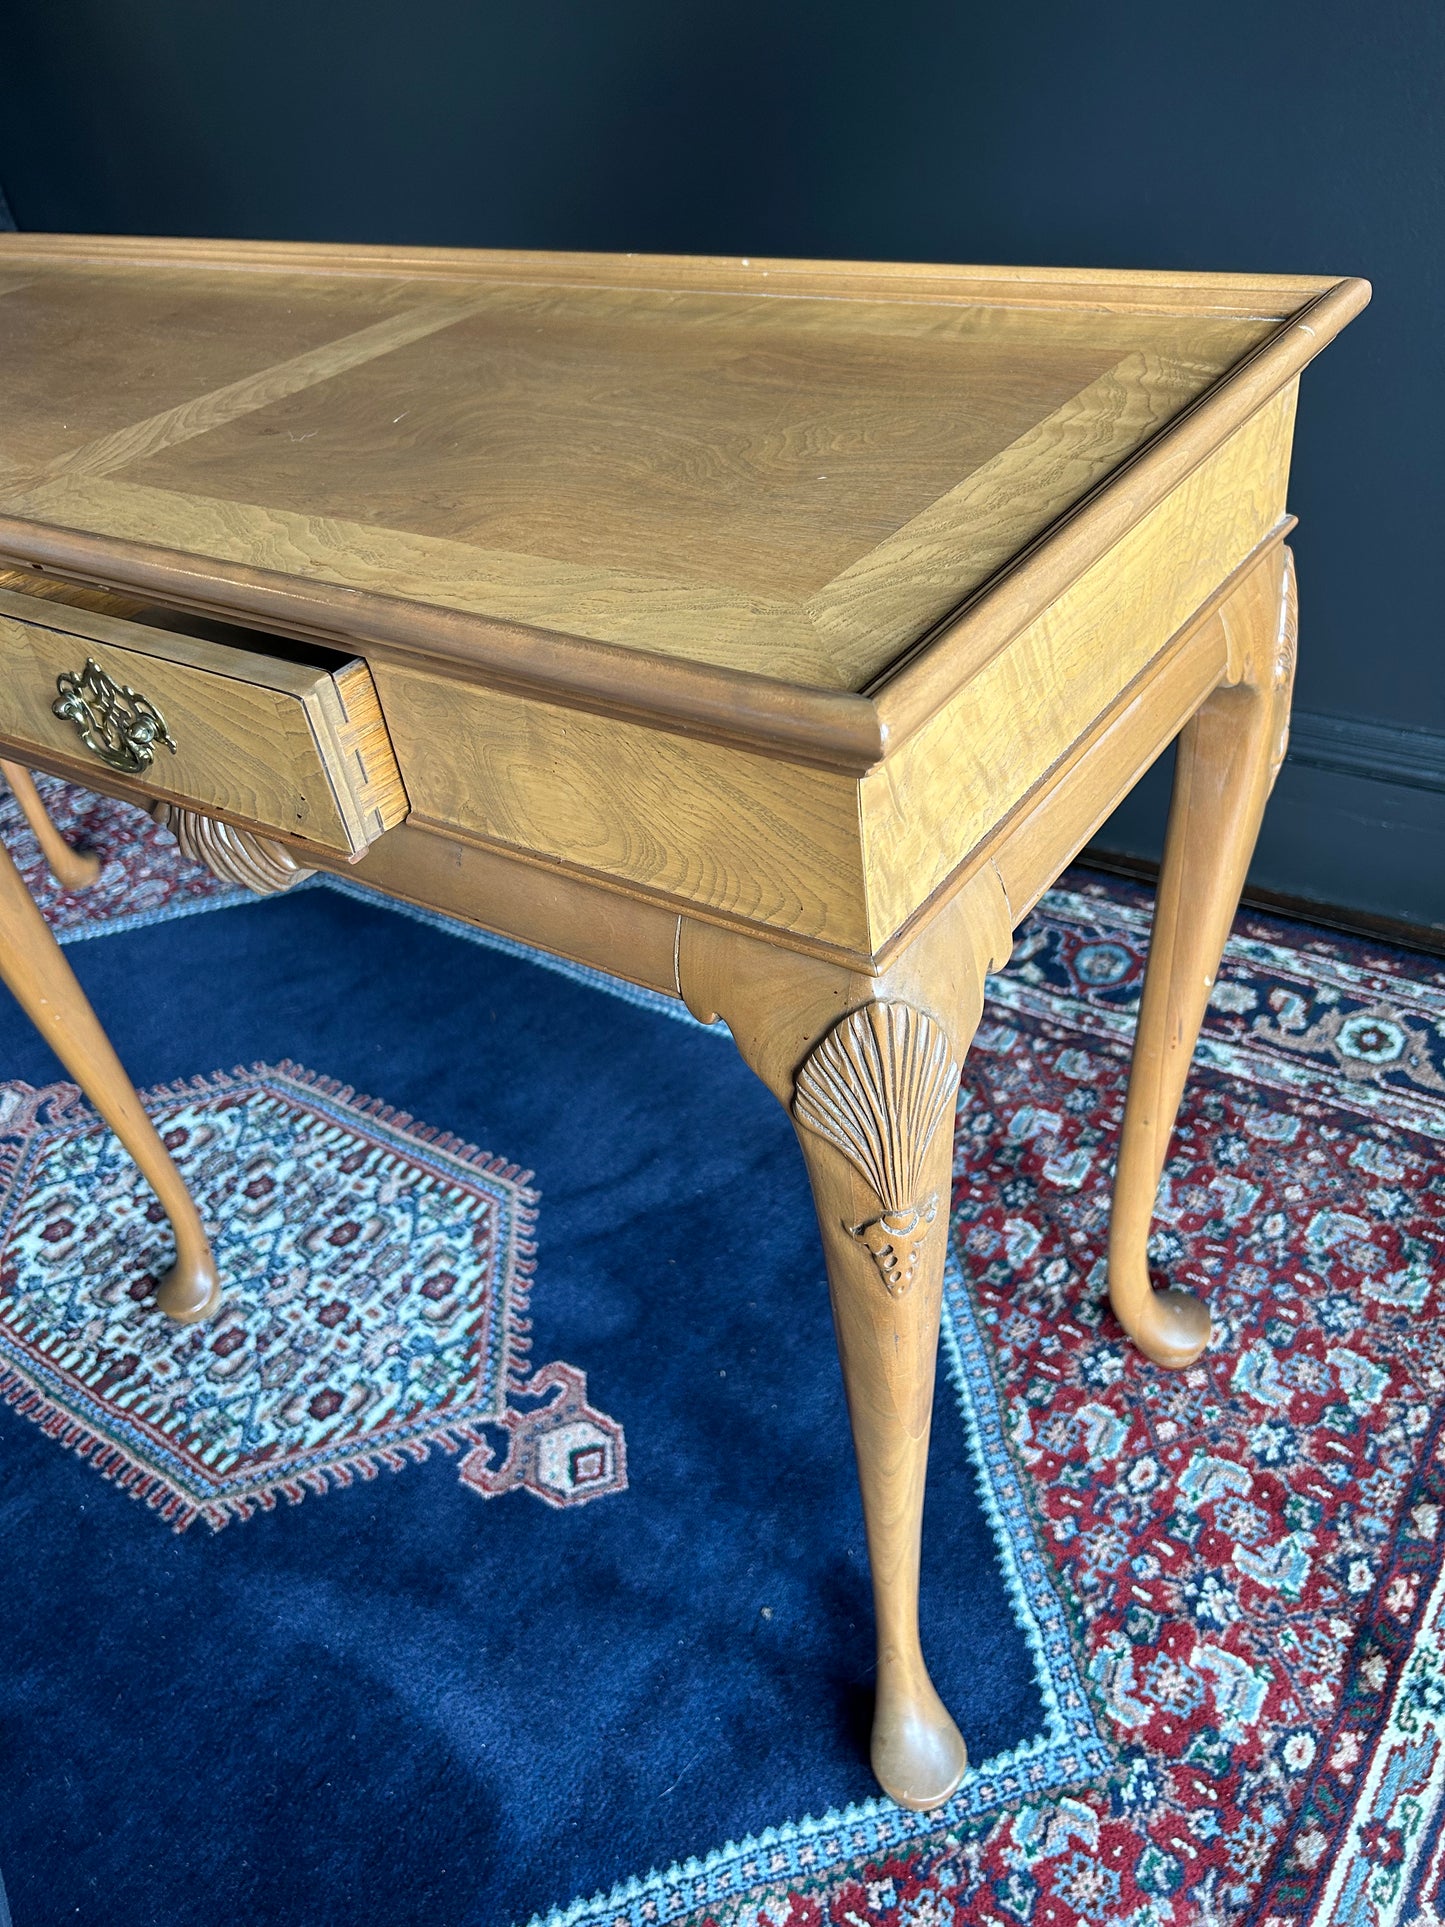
(666, 482)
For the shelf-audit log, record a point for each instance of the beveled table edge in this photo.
(1118, 290)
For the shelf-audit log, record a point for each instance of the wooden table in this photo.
(770, 633)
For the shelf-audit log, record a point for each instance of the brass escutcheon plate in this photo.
(121, 727)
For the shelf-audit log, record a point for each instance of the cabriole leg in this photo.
(868, 1069)
(73, 870)
(885, 1279)
(32, 964)
(1228, 757)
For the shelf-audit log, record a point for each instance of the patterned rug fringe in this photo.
(179, 1511)
(383, 1113)
(66, 1099)
(524, 1244)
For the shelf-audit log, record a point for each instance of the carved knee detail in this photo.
(1286, 649)
(235, 856)
(1261, 634)
(877, 1088)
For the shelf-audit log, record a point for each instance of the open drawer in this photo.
(274, 735)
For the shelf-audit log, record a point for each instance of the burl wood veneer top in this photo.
(659, 482)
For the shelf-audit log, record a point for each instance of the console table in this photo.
(769, 633)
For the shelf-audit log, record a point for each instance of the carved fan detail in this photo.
(236, 856)
(878, 1087)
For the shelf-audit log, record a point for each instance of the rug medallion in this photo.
(375, 1289)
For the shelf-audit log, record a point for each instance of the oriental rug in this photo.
(375, 1279)
(1194, 1624)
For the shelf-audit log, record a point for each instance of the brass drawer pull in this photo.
(276, 740)
(121, 727)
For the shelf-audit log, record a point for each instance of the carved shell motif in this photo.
(878, 1087)
(236, 856)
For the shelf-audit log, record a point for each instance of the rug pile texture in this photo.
(495, 1556)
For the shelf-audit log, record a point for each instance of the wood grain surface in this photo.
(692, 823)
(792, 473)
(665, 477)
(835, 865)
(567, 491)
(926, 806)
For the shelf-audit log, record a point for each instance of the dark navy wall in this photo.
(1249, 134)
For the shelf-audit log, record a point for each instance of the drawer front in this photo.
(263, 741)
